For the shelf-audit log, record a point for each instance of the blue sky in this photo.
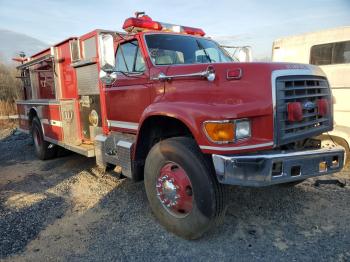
(237, 22)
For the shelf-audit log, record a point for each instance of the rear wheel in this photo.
(182, 189)
(43, 149)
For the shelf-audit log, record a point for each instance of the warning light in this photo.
(143, 22)
(295, 111)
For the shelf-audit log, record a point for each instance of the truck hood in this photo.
(249, 94)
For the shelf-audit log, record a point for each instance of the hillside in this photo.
(11, 43)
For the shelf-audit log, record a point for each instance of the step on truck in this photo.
(164, 104)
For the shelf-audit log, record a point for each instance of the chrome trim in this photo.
(84, 62)
(123, 124)
(233, 121)
(209, 74)
(125, 144)
(283, 154)
(219, 122)
(217, 148)
(236, 77)
(77, 149)
(38, 102)
(257, 169)
(294, 70)
(35, 61)
(51, 122)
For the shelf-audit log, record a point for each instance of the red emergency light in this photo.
(295, 111)
(322, 105)
(143, 22)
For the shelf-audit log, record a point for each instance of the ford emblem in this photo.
(309, 105)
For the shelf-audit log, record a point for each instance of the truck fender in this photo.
(184, 112)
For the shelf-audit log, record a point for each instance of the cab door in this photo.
(128, 97)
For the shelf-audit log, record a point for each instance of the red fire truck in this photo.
(165, 104)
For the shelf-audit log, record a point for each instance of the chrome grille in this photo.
(303, 89)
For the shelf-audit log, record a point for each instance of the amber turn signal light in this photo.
(220, 132)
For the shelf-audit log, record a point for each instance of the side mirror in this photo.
(244, 54)
(108, 78)
(240, 53)
(107, 59)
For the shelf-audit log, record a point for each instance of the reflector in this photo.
(295, 111)
(322, 105)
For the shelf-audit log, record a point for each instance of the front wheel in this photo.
(182, 189)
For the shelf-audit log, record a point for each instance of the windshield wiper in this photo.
(200, 46)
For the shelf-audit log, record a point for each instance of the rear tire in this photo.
(43, 149)
(182, 189)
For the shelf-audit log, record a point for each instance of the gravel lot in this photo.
(64, 209)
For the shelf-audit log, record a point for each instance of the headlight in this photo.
(243, 129)
(227, 131)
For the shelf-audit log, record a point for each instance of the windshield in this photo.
(167, 49)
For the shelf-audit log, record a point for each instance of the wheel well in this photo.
(31, 115)
(153, 130)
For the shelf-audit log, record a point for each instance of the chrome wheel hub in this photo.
(174, 190)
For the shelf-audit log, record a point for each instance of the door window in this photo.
(129, 58)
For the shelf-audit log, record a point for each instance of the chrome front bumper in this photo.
(275, 168)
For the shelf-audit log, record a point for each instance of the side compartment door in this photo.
(128, 97)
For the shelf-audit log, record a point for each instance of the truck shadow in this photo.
(254, 215)
(18, 228)
(271, 221)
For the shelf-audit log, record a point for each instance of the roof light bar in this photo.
(143, 22)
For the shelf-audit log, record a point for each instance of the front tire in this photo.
(43, 149)
(182, 189)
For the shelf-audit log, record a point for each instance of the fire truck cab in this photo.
(163, 103)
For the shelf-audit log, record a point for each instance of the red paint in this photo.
(295, 111)
(129, 97)
(51, 112)
(143, 22)
(193, 31)
(190, 100)
(174, 178)
(234, 74)
(322, 105)
(67, 73)
(54, 132)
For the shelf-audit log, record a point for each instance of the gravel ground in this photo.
(64, 209)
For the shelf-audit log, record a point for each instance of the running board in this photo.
(82, 149)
